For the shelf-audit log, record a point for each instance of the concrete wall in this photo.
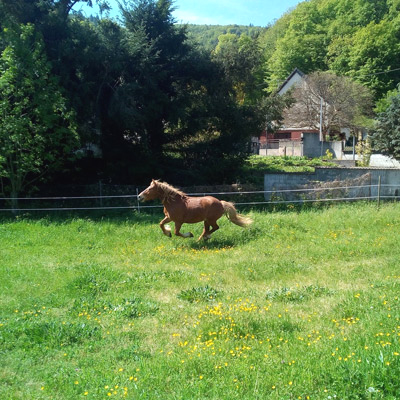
(330, 183)
(312, 147)
(282, 148)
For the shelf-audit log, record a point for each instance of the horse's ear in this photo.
(153, 182)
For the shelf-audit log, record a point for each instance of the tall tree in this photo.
(37, 130)
(345, 104)
(386, 133)
(40, 12)
(302, 45)
(370, 56)
(164, 70)
(241, 60)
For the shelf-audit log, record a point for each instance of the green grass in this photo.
(300, 305)
(285, 164)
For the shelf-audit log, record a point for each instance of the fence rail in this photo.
(270, 197)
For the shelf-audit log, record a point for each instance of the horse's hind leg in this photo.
(215, 227)
(205, 234)
(178, 228)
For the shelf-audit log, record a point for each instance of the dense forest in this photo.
(84, 99)
(359, 39)
(355, 38)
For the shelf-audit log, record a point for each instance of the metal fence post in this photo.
(137, 200)
(101, 193)
(379, 191)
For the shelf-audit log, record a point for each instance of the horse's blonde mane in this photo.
(169, 191)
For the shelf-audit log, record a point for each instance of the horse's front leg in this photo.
(166, 229)
(178, 228)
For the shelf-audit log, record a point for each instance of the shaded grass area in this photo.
(299, 305)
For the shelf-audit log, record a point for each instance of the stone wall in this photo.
(332, 183)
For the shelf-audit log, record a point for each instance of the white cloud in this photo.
(216, 12)
(187, 17)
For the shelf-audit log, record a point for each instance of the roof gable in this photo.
(295, 77)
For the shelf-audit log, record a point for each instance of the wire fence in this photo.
(282, 197)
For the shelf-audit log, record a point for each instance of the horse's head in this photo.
(151, 193)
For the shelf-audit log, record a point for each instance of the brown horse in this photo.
(180, 208)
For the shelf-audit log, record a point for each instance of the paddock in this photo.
(104, 306)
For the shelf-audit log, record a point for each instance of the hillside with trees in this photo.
(359, 39)
(207, 35)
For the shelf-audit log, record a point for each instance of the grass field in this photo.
(301, 305)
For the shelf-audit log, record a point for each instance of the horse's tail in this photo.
(233, 215)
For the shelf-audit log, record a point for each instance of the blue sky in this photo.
(220, 12)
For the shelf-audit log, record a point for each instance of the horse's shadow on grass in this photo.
(212, 244)
(226, 240)
(219, 240)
